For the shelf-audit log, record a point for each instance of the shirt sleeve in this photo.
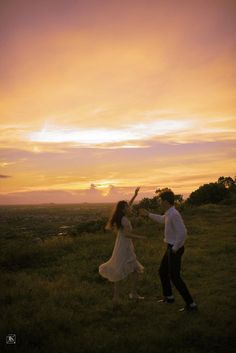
(157, 218)
(180, 231)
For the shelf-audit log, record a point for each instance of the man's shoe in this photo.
(166, 300)
(189, 308)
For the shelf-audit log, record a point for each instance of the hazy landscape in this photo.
(54, 300)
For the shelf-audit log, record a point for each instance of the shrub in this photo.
(222, 191)
(91, 226)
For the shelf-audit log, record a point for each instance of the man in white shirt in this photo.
(175, 234)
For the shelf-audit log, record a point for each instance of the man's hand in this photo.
(136, 191)
(143, 212)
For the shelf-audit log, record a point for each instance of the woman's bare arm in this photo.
(134, 197)
(135, 236)
(129, 234)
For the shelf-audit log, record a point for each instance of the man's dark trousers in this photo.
(169, 271)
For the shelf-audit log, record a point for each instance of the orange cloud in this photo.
(116, 94)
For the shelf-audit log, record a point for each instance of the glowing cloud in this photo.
(137, 132)
(119, 93)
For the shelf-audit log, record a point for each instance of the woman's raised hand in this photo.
(135, 194)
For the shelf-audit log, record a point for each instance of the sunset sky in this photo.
(98, 97)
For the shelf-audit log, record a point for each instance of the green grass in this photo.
(53, 298)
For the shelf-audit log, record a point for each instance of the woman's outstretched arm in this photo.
(131, 235)
(127, 231)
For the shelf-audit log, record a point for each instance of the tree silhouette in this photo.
(154, 203)
(223, 189)
(228, 182)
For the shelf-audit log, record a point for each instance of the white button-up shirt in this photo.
(175, 230)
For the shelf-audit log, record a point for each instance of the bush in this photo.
(231, 200)
(91, 226)
(222, 191)
(208, 193)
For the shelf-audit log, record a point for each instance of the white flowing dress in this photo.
(123, 260)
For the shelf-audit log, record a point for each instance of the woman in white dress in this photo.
(123, 261)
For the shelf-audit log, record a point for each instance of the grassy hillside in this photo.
(53, 298)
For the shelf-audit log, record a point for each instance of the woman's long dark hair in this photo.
(117, 215)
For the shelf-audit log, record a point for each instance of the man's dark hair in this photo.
(168, 196)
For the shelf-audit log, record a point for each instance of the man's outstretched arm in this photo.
(155, 217)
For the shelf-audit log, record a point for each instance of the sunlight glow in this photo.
(98, 136)
(115, 93)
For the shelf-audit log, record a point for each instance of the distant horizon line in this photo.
(57, 204)
(63, 203)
